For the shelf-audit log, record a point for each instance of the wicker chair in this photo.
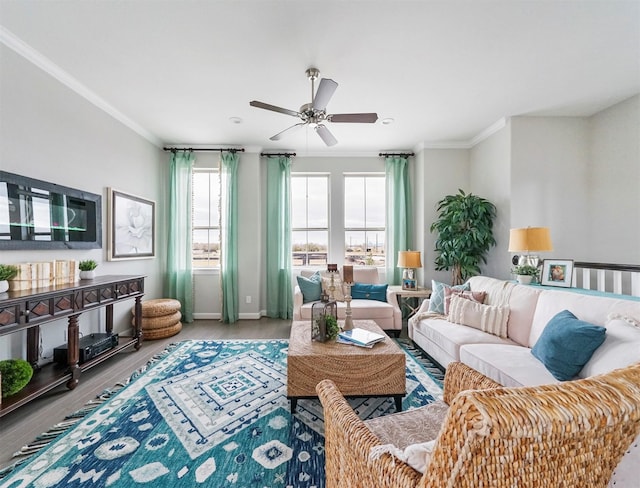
(571, 434)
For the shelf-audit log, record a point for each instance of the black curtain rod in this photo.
(278, 154)
(396, 154)
(229, 149)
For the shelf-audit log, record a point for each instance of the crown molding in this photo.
(489, 131)
(45, 64)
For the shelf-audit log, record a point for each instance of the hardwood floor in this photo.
(23, 425)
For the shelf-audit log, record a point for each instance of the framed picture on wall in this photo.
(557, 272)
(131, 226)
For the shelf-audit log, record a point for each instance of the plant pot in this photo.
(4, 286)
(87, 275)
(524, 279)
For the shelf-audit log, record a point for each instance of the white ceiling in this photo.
(445, 71)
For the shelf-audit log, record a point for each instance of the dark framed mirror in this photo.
(36, 214)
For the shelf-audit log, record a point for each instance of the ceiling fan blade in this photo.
(291, 129)
(368, 118)
(325, 91)
(325, 135)
(266, 106)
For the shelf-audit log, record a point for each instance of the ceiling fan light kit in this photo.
(314, 113)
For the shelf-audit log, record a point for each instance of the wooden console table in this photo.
(30, 309)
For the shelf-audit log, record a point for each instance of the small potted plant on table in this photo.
(525, 273)
(7, 271)
(87, 269)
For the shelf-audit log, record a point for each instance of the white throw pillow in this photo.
(487, 318)
(621, 347)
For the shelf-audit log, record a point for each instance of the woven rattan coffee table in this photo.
(357, 371)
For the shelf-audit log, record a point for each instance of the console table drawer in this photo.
(48, 308)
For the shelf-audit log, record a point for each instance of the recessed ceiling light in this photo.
(235, 120)
(387, 121)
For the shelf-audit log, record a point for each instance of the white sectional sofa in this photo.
(386, 314)
(509, 360)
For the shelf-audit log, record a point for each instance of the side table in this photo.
(404, 297)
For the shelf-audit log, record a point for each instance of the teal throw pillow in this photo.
(369, 292)
(566, 344)
(310, 287)
(436, 301)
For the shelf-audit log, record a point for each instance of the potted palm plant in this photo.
(465, 234)
(7, 272)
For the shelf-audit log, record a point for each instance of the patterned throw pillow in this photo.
(474, 296)
(436, 302)
(338, 293)
(487, 318)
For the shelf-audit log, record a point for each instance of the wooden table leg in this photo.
(398, 400)
(137, 328)
(73, 353)
(33, 346)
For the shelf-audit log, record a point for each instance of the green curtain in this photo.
(399, 219)
(229, 235)
(179, 282)
(279, 290)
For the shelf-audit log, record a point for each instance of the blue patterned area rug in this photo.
(205, 413)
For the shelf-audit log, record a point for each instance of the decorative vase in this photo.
(4, 286)
(87, 275)
(524, 279)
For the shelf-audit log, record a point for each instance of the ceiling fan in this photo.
(315, 113)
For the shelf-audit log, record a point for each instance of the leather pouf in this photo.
(160, 318)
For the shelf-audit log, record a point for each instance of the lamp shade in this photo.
(530, 239)
(409, 259)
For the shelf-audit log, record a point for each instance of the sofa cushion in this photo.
(366, 274)
(590, 308)
(487, 318)
(369, 292)
(621, 347)
(360, 310)
(507, 364)
(522, 306)
(310, 287)
(474, 296)
(436, 300)
(450, 337)
(410, 427)
(566, 344)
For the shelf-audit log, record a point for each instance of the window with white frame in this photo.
(364, 219)
(309, 219)
(206, 218)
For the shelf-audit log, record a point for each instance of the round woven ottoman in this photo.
(160, 318)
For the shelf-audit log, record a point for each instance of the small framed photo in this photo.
(557, 272)
(131, 226)
(408, 284)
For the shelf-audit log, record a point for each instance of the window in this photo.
(364, 219)
(309, 219)
(206, 218)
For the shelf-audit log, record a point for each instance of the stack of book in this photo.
(359, 337)
(38, 275)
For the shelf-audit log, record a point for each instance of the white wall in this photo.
(207, 298)
(614, 184)
(49, 133)
(549, 164)
(490, 174)
(442, 173)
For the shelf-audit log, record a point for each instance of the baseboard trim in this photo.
(217, 316)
